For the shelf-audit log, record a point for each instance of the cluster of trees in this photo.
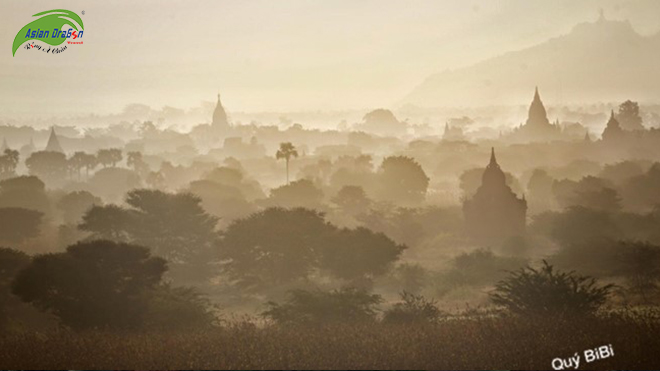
(342, 222)
(8, 163)
(55, 166)
(293, 244)
(268, 248)
(104, 284)
(626, 185)
(543, 292)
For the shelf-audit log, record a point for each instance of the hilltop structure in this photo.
(53, 143)
(495, 213)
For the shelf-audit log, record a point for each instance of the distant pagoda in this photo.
(537, 128)
(613, 130)
(495, 213)
(220, 120)
(53, 143)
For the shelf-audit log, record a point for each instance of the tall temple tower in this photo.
(53, 143)
(220, 120)
(613, 130)
(537, 128)
(537, 115)
(495, 213)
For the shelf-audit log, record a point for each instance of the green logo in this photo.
(48, 28)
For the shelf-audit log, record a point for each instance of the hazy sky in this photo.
(273, 54)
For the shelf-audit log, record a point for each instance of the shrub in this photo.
(307, 307)
(480, 267)
(413, 309)
(546, 291)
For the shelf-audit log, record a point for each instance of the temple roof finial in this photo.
(493, 160)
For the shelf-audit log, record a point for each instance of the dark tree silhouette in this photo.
(113, 182)
(301, 193)
(225, 202)
(27, 192)
(413, 309)
(109, 157)
(77, 162)
(175, 226)
(17, 225)
(352, 200)
(347, 305)
(582, 225)
(155, 179)
(135, 161)
(629, 117)
(11, 262)
(590, 192)
(354, 254)
(286, 151)
(50, 166)
(8, 163)
(280, 246)
(539, 188)
(109, 222)
(383, 122)
(93, 284)
(641, 192)
(547, 291)
(90, 162)
(74, 205)
(233, 177)
(640, 265)
(403, 180)
(273, 247)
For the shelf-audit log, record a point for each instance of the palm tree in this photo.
(286, 151)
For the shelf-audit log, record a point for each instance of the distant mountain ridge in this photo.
(601, 61)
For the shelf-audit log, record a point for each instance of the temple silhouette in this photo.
(613, 131)
(53, 143)
(537, 128)
(495, 213)
(220, 121)
(453, 133)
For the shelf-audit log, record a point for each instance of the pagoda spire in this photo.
(493, 160)
(53, 142)
(220, 116)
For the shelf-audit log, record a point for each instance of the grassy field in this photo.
(487, 343)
